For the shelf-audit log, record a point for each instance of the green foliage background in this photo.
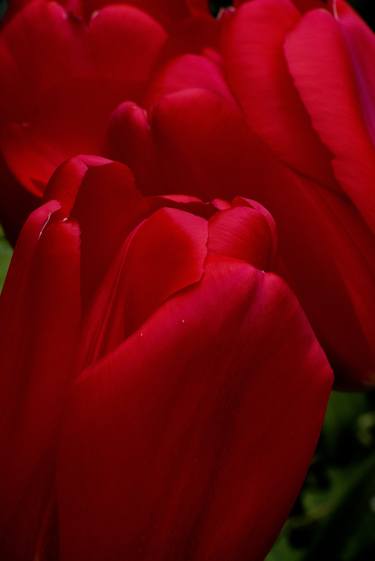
(5, 256)
(334, 516)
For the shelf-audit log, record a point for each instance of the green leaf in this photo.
(282, 551)
(334, 517)
(5, 257)
(340, 434)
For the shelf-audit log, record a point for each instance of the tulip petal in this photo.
(360, 43)
(130, 141)
(244, 233)
(171, 441)
(110, 188)
(170, 248)
(188, 71)
(327, 257)
(257, 71)
(164, 255)
(207, 164)
(38, 48)
(76, 74)
(39, 327)
(322, 69)
(124, 42)
(66, 181)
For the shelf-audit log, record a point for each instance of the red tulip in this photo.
(62, 76)
(296, 135)
(305, 87)
(195, 139)
(155, 432)
(75, 75)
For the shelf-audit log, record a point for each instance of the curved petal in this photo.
(39, 328)
(257, 71)
(188, 71)
(124, 43)
(322, 69)
(130, 141)
(171, 442)
(327, 257)
(66, 181)
(325, 248)
(360, 44)
(207, 164)
(245, 233)
(63, 62)
(107, 208)
(41, 60)
(164, 255)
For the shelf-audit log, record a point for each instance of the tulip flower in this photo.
(62, 75)
(304, 85)
(283, 136)
(194, 137)
(161, 389)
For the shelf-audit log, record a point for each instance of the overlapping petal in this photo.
(303, 80)
(192, 141)
(79, 61)
(326, 253)
(154, 362)
(258, 74)
(195, 141)
(39, 327)
(340, 101)
(171, 440)
(76, 74)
